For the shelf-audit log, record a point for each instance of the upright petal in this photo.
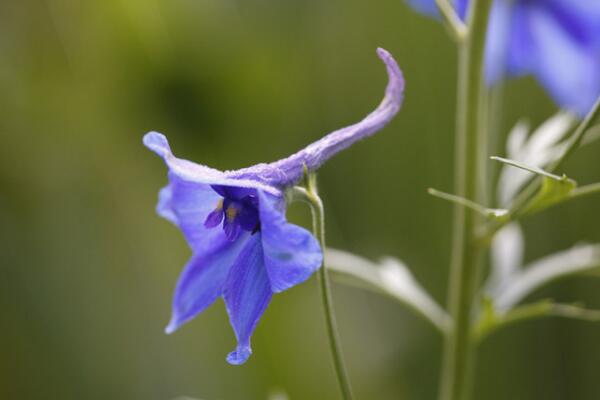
(291, 169)
(247, 293)
(291, 253)
(191, 172)
(234, 192)
(203, 279)
(193, 193)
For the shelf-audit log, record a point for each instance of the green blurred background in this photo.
(88, 269)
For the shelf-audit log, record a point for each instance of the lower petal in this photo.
(291, 252)
(247, 293)
(202, 280)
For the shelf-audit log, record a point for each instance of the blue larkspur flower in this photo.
(557, 41)
(243, 248)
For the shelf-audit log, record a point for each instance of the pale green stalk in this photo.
(585, 191)
(458, 362)
(310, 196)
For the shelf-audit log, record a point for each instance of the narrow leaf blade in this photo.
(389, 277)
(579, 259)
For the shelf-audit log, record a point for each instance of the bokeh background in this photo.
(88, 269)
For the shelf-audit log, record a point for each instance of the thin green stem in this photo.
(495, 112)
(585, 191)
(484, 211)
(592, 135)
(458, 362)
(529, 168)
(310, 196)
(579, 135)
(459, 200)
(541, 309)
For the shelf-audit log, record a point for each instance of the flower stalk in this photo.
(311, 197)
(467, 254)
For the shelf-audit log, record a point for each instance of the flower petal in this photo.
(291, 252)
(232, 229)
(558, 41)
(499, 43)
(462, 6)
(427, 7)
(163, 208)
(580, 17)
(234, 192)
(193, 193)
(202, 280)
(192, 172)
(247, 293)
(570, 70)
(215, 218)
(188, 204)
(506, 253)
(430, 8)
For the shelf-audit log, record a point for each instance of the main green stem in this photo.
(458, 362)
(318, 215)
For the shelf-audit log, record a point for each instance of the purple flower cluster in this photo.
(557, 41)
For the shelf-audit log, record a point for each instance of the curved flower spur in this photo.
(243, 248)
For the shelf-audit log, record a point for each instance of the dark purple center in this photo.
(237, 210)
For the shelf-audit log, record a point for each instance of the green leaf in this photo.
(577, 260)
(554, 189)
(551, 192)
(488, 318)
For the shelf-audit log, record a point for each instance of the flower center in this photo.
(231, 213)
(236, 212)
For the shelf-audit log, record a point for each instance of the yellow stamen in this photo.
(231, 213)
(219, 205)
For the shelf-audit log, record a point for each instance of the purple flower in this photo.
(558, 41)
(243, 248)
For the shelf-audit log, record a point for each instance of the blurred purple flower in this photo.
(257, 252)
(558, 41)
